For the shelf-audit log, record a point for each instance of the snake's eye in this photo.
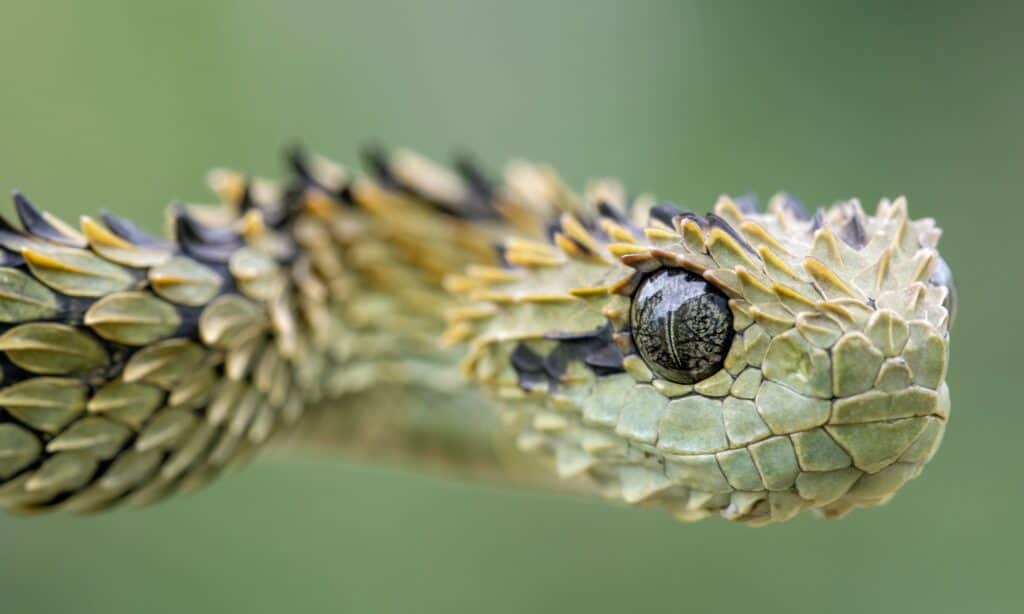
(682, 326)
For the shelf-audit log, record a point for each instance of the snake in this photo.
(747, 364)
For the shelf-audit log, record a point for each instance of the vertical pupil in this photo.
(682, 326)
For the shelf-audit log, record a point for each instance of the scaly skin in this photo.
(375, 316)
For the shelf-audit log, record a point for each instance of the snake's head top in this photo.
(741, 363)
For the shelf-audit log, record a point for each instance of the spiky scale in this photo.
(256, 273)
(342, 279)
(132, 318)
(43, 225)
(128, 402)
(229, 320)
(93, 435)
(207, 243)
(18, 449)
(45, 403)
(164, 364)
(62, 472)
(263, 424)
(184, 281)
(119, 250)
(76, 272)
(130, 468)
(52, 349)
(224, 401)
(194, 392)
(190, 451)
(129, 231)
(164, 429)
(22, 298)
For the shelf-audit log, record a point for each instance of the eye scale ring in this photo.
(682, 325)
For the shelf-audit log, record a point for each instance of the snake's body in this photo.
(442, 319)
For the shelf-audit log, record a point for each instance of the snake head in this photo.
(742, 363)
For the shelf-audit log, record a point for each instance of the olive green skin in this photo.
(374, 318)
(832, 394)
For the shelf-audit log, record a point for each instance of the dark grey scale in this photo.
(551, 228)
(275, 215)
(36, 224)
(605, 209)
(304, 179)
(209, 245)
(583, 248)
(595, 349)
(554, 227)
(481, 188)
(130, 232)
(501, 254)
(379, 163)
(747, 204)
(555, 365)
(699, 219)
(795, 207)
(605, 360)
(245, 203)
(712, 220)
(376, 160)
(295, 191)
(10, 259)
(818, 221)
(529, 367)
(295, 156)
(70, 309)
(665, 212)
(853, 232)
(218, 242)
(199, 232)
(475, 178)
(717, 222)
(681, 325)
(9, 234)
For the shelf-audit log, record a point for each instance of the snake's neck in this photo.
(420, 428)
(383, 387)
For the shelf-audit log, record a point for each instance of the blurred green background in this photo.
(124, 105)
